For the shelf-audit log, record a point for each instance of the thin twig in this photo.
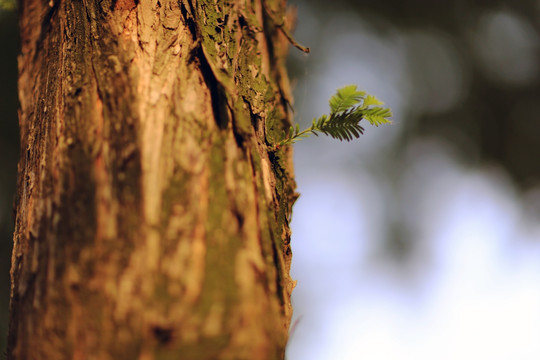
(284, 31)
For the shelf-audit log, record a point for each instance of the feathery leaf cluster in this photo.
(347, 108)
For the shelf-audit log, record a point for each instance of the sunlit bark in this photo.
(152, 218)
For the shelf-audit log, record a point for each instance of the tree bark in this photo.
(152, 212)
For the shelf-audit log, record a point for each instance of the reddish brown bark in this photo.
(152, 214)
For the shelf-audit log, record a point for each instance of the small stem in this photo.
(293, 42)
(296, 136)
(303, 132)
(284, 31)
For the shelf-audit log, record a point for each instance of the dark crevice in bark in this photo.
(188, 19)
(162, 334)
(217, 92)
(256, 120)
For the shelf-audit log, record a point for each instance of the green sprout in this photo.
(347, 108)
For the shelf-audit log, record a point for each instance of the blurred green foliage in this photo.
(8, 4)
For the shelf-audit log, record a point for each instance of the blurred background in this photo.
(420, 240)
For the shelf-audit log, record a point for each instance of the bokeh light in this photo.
(412, 243)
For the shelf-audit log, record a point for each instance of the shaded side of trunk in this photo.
(152, 218)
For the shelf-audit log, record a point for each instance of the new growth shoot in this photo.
(347, 108)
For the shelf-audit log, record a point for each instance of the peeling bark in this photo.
(152, 218)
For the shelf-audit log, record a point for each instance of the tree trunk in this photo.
(152, 209)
